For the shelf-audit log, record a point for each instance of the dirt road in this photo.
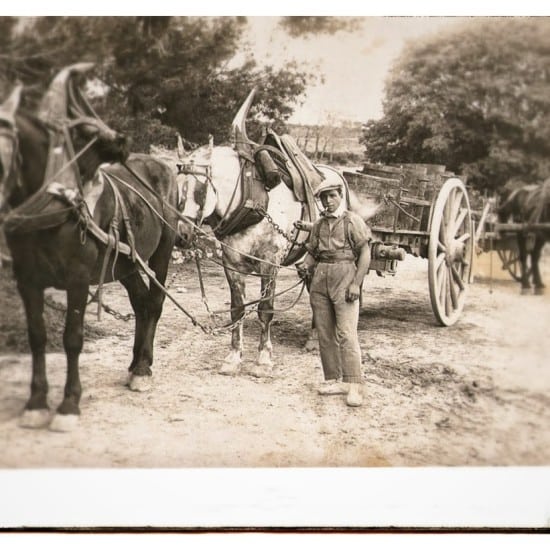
(477, 393)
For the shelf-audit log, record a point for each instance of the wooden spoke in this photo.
(448, 299)
(455, 208)
(459, 221)
(457, 277)
(454, 295)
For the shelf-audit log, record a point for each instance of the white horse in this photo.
(211, 190)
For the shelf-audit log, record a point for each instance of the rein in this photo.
(196, 227)
(129, 250)
(140, 195)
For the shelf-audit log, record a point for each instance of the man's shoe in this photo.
(355, 397)
(333, 388)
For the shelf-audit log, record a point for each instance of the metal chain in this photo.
(261, 210)
(54, 304)
(58, 306)
(111, 311)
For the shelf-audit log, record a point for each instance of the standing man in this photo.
(339, 257)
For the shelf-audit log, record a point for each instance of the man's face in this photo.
(331, 200)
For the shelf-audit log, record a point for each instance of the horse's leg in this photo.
(36, 413)
(153, 300)
(522, 246)
(68, 413)
(139, 368)
(535, 259)
(264, 364)
(233, 360)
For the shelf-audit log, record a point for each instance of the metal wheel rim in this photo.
(450, 252)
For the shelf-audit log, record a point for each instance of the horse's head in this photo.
(197, 194)
(64, 107)
(9, 146)
(514, 200)
(208, 178)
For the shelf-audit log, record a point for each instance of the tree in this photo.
(160, 74)
(476, 100)
(304, 25)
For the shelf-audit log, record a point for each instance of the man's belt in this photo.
(335, 256)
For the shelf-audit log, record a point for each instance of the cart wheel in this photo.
(510, 262)
(450, 251)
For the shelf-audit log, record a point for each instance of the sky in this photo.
(354, 64)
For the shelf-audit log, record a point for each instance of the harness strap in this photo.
(112, 242)
(347, 233)
(114, 226)
(126, 220)
(72, 155)
(103, 237)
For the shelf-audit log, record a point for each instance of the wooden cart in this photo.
(424, 211)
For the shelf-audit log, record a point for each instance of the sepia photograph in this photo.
(274, 247)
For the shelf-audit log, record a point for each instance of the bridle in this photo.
(198, 171)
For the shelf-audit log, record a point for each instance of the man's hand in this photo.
(304, 272)
(304, 226)
(352, 292)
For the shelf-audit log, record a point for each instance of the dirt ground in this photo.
(477, 393)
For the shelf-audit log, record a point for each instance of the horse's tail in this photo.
(366, 208)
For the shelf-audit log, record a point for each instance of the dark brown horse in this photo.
(65, 227)
(528, 205)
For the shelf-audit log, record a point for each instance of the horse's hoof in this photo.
(311, 345)
(64, 422)
(35, 418)
(539, 291)
(264, 359)
(261, 371)
(525, 291)
(229, 369)
(140, 383)
(232, 363)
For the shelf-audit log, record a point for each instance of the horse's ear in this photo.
(238, 126)
(11, 104)
(55, 103)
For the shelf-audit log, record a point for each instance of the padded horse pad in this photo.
(305, 177)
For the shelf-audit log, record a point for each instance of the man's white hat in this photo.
(328, 185)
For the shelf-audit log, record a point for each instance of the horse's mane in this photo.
(37, 122)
